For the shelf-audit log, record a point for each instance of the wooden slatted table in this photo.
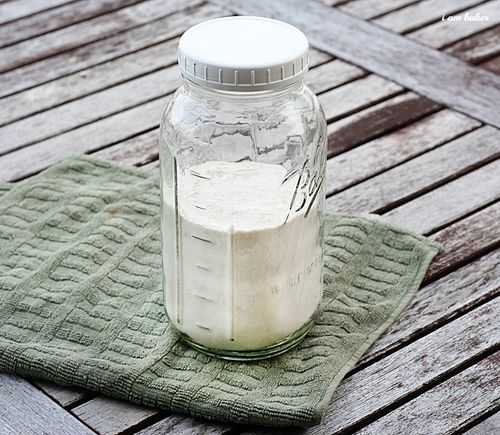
(412, 97)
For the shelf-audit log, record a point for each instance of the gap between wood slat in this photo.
(56, 19)
(486, 424)
(424, 13)
(443, 33)
(91, 31)
(346, 101)
(17, 9)
(479, 48)
(388, 384)
(428, 72)
(369, 9)
(129, 68)
(99, 52)
(451, 406)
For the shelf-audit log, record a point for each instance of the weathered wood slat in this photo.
(104, 103)
(420, 174)
(493, 65)
(91, 80)
(52, 43)
(381, 51)
(442, 33)
(53, 19)
(476, 233)
(356, 95)
(317, 57)
(27, 411)
(449, 407)
(104, 50)
(116, 71)
(408, 371)
(442, 300)
(99, 134)
(451, 201)
(88, 109)
(109, 417)
(138, 150)
(128, 123)
(422, 13)
(14, 10)
(177, 425)
(490, 426)
(478, 48)
(65, 396)
(368, 9)
(376, 120)
(332, 74)
(381, 154)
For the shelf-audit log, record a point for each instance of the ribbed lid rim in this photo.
(234, 77)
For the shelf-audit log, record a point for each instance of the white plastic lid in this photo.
(243, 54)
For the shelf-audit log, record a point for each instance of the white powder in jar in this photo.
(248, 273)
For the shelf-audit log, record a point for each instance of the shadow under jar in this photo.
(243, 155)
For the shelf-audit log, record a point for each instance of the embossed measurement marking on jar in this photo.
(205, 270)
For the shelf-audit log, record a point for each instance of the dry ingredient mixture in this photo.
(249, 273)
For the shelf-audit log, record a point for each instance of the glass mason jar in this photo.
(243, 156)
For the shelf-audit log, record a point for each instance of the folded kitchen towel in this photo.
(81, 301)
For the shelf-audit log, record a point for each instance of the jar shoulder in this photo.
(189, 113)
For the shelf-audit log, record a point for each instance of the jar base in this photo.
(253, 355)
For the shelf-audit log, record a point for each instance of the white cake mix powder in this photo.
(248, 273)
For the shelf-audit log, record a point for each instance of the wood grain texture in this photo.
(177, 425)
(427, 361)
(13, 10)
(105, 75)
(332, 74)
(104, 50)
(490, 426)
(107, 131)
(395, 148)
(492, 65)
(420, 174)
(478, 48)
(88, 81)
(368, 9)
(65, 39)
(27, 411)
(109, 128)
(448, 407)
(442, 300)
(415, 366)
(110, 417)
(64, 396)
(381, 51)
(376, 120)
(465, 238)
(443, 33)
(88, 109)
(450, 202)
(53, 19)
(138, 150)
(356, 95)
(422, 13)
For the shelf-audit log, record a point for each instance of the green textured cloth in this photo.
(81, 301)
